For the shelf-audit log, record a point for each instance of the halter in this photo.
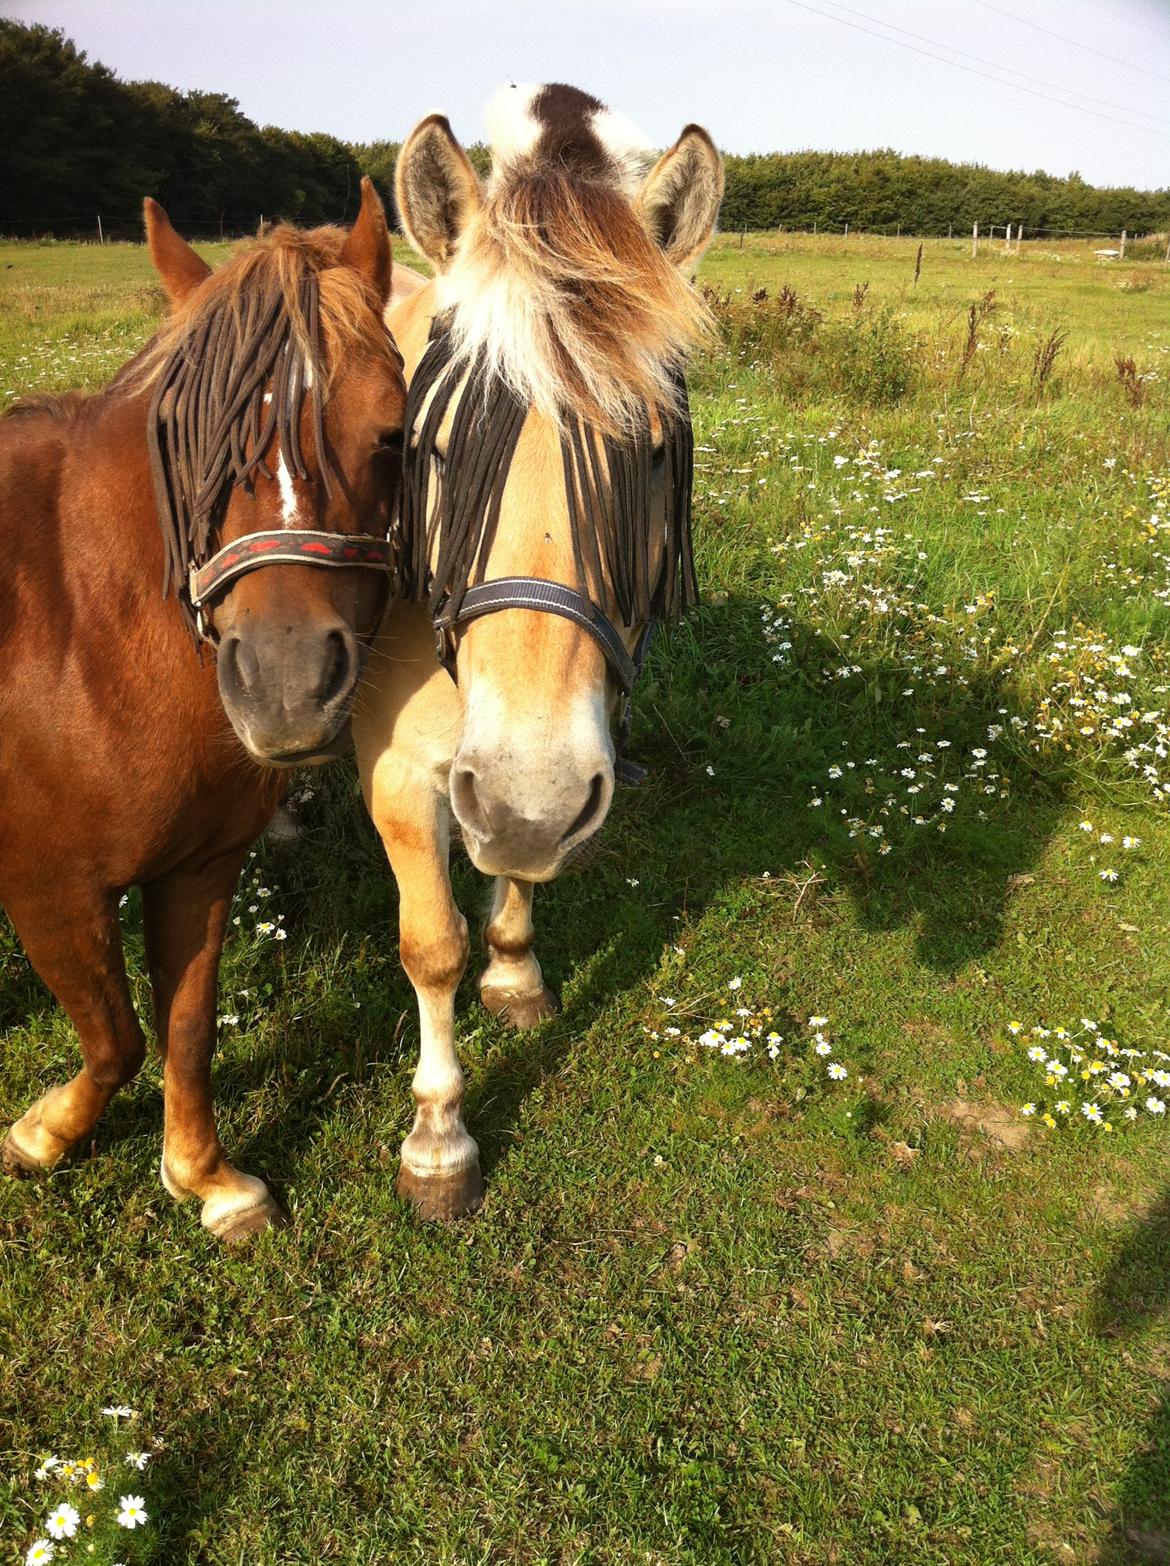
(609, 523)
(210, 427)
(302, 546)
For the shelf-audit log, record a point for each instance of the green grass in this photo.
(715, 1310)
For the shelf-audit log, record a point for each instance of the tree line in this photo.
(78, 142)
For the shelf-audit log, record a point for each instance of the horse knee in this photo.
(438, 963)
(117, 1064)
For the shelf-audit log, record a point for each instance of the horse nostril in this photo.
(336, 667)
(465, 801)
(589, 817)
(240, 663)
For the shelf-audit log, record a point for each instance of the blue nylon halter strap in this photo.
(532, 592)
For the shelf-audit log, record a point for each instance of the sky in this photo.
(970, 80)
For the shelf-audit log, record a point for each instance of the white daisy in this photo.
(133, 1513)
(62, 1523)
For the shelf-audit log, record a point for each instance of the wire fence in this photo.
(224, 227)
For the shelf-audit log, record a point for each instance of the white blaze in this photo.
(288, 495)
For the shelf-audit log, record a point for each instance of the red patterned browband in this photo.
(285, 547)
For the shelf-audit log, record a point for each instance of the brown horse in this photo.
(261, 427)
(546, 527)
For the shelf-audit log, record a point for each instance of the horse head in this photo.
(275, 434)
(548, 464)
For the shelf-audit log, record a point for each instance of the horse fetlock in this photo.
(173, 1187)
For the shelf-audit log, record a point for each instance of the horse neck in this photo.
(77, 478)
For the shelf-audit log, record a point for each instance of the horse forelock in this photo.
(557, 285)
(277, 261)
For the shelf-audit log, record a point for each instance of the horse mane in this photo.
(62, 406)
(231, 371)
(276, 262)
(560, 291)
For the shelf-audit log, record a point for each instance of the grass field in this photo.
(908, 773)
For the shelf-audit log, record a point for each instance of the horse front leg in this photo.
(72, 937)
(440, 1171)
(184, 918)
(512, 986)
(406, 725)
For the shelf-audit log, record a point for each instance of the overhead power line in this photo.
(941, 59)
(1064, 38)
(1010, 69)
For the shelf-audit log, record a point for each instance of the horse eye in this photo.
(389, 443)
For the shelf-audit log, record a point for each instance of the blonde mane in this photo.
(558, 287)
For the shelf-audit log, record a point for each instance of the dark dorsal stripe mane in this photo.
(209, 427)
(608, 482)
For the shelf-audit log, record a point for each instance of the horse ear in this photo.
(680, 200)
(437, 190)
(367, 245)
(176, 263)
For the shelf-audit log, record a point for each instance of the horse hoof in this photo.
(442, 1198)
(16, 1161)
(244, 1208)
(235, 1227)
(22, 1155)
(285, 826)
(255, 1220)
(521, 1011)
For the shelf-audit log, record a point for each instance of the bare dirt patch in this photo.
(998, 1123)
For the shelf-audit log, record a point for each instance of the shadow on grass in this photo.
(700, 835)
(771, 733)
(1133, 1295)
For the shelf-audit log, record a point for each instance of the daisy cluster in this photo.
(751, 1030)
(865, 605)
(62, 363)
(86, 1528)
(253, 909)
(1109, 841)
(1091, 1078)
(924, 784)
(1104, 702)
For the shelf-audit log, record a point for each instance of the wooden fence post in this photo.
(974, 240)
(847, 231)
(1121, 257)
(1019, 236)
(101, 236)
(1007, 239)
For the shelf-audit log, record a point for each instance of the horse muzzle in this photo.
(524, 822)
(287, 690)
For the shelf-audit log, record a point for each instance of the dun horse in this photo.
(546, 519)
(261, 428)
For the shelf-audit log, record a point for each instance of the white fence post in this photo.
(101, 236)
(1121, 257)
(974, 240)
